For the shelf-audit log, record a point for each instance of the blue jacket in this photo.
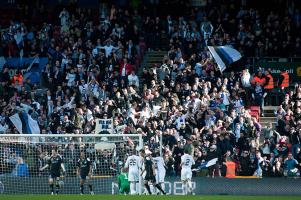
(22, 170)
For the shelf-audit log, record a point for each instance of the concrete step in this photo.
(156, 55)
(267, 119)
(160, 59)
(268, 108)
(269, 114)
(149, 53)
(154, 62)
(269, 111)
(266, 124)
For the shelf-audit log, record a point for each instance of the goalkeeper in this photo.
(55, 164)
(123, 182)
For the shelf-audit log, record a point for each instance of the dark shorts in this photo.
(150, 178)
(83, 176)
(54, 176)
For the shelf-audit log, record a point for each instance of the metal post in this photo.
(161, 146)
(140, 177)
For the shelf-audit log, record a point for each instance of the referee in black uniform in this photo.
(149, 168)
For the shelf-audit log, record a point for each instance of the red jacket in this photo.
(128, 68)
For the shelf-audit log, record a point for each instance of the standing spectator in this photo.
(18, 77)
(21, 169)
(64, 16)
(206, 29)
(133, 79)
(211, 155)
(258, 161)
(290, 166)
(125, 69)
(258, 96)
(283, 83)
(268, 87)
(245, 163)
(277, 170)
(246, 83)
(259, 78)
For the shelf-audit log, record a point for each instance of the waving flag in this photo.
(224, 55)
(24, 123)
(206, 164)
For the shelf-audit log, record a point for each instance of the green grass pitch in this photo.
(121, 197)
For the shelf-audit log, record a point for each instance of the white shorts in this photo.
(133, 176)
(143, 175)
(160, 176)
(186, 174)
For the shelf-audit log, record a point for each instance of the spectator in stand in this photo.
(259, 78)
(283, 82)
(21, 169)
(291, 166)
(258, 96)
(246, 84)
(133, 79)
(17, 78)
(269, 86)
(92, 69)
(206, 29)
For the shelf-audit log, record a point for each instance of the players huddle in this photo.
(147, 168)
(152, 170)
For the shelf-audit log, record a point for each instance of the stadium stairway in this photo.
(155, 57)
(150, 59)
(269, 116)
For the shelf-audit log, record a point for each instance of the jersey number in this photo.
(187, 162)
(132, 162)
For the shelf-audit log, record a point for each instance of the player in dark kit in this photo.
(84, 170)
(149, 168)
(55, 164)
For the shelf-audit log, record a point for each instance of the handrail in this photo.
(274, 59)
(69, 135)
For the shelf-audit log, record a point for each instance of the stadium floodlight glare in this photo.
(23, 156)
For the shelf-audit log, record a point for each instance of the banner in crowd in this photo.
(293, 68)
(24, 123)
(103, 126)
(224, 56)
(30, 67)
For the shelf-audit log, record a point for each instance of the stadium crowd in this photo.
(92, 73)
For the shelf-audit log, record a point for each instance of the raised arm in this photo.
(42, 168)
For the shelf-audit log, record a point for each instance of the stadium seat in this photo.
(255, 114)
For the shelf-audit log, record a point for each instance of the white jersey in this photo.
(133, 162)
(159, 163)
(187, 161)
(159, 169)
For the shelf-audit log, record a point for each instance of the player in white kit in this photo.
(186, 172)
(133, 163)
(160, 170)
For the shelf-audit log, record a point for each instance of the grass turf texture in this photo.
(122, 197)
